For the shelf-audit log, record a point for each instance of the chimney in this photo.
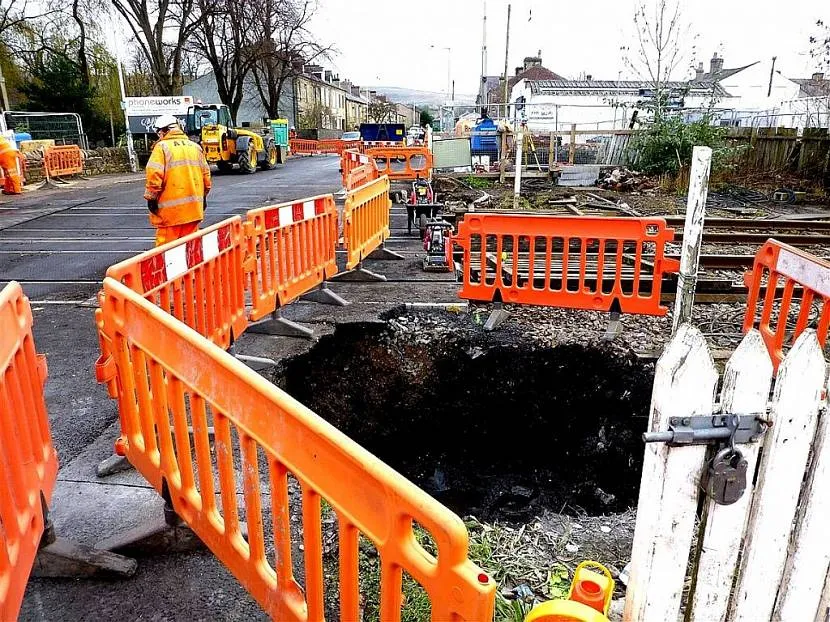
(532, 61)
(818, 76)
(699, 71)
(328, 75)
(518, 70)
(715, 65)
(588, 77)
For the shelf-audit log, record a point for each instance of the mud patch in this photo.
(499, 430)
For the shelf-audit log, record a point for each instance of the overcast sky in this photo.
(384, 42)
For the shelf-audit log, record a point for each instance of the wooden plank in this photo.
(746, 385)
(795, 405)
(572, 146)
(684, 385)
(803, 583)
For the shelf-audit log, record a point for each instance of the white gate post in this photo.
(692, 235)
(517, 180)
(685, 380)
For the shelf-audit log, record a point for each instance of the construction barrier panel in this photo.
(371, 144)
(293, 246)
(175, 381)
(352, 144)
(350, 159)
(361, 175)
(402, 163)
(199, 279)
(330, 146)
(28, 462)
(365, 220)
(63, 160)
(783, 315)
(566, 261)
(301, 146)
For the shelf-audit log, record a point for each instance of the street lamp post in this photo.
(449, 77)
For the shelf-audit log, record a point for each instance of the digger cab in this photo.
(207, 115)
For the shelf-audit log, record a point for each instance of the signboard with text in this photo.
(155, 106)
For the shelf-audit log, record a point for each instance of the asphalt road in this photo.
(58, 244)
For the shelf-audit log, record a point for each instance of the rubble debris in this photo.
(625, 180)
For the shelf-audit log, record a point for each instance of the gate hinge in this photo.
(706, 429)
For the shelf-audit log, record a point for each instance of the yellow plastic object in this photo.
(592, 588)
(564, 611)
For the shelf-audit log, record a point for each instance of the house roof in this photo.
(619, 87)
(721, 75)
(811, 87)
(536, 72)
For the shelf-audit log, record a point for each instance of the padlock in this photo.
(726, 476)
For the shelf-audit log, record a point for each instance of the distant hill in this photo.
(402, 95)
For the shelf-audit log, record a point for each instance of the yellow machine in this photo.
(225, 146)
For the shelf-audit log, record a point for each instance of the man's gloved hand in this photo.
(153, 206)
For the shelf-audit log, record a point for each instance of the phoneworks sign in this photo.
(155, 106)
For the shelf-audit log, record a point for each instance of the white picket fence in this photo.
(766, 557)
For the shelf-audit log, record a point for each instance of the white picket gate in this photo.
(766, 557)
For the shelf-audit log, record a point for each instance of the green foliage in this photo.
(477, 182)
(665, 145)
(426, 118)
(559, 582)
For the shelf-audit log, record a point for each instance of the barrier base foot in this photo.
(497, 317)
(325, 296)
(279, 326)
(359, 274)
(153, 538)
(112, 465)
(257, 363)
(66, 559)
(614, 328)
(384, 253)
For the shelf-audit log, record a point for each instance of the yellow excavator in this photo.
(224, 145)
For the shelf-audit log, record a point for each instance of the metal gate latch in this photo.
(705, 429)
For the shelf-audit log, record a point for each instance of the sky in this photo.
(389, 43)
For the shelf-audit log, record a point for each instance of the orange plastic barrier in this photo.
(199, 279)
(402, 163)
(350, 161)
(353, 144)
(566, 261)
(175, 380)
(28, 463)
(371, 144)
(361, 175)
(301, 146)
(294, 246)
(330, 146)
(365, 220)
(63, 160)
(779, 265)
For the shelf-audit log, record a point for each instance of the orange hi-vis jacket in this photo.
(178, 178)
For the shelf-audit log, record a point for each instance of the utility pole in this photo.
(771, 72)
(506, 51)
(483, 85)
(130, 149)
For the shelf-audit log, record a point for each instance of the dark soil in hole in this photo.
(496, 430)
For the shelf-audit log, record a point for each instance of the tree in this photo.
(281, 45)
(820, 46)
(223, 40)
(661, 47)
(162, 29)
(314, 117)
(426, 118)
(382, 111)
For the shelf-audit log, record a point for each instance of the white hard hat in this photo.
(165, 121)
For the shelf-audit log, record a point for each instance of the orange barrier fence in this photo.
(63, 160)
(361, 175)
(199, 279)
(350, 159)
(174, 380)
(371, 144)
(330, 146)
(352, 144)
(780, 267)
(301, 146)
(402, 163)
(365, 220)
(293, 246)
(28, 463)
(566, 261)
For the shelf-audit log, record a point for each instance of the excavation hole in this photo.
(489, 424)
